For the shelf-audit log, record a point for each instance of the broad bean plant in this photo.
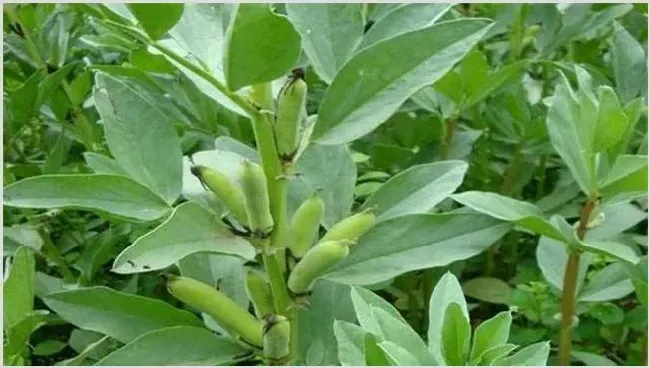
(325, 184)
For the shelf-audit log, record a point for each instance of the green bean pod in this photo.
(351, 228)
(256, 197)
(318, 260)
(277, 334)
(225, 189)
(291, 109)
(304, 225)
(259, 292)
(217, 305)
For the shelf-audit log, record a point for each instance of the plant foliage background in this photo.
(479, 134)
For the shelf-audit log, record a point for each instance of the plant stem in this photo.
(450, 129)
(569, 287)
(277, 187)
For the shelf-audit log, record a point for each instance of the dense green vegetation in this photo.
(325, 184)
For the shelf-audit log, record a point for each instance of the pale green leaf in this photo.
(330, 33)
(609, 283)
(398, 355)
(350, 342)
(260, 46)
(629, 64)
(533, 355)
(406, 244)
(524, 214)
(376, 81)
(592, 359)
(446, 291)
(627, 177)
(612, 121)
(397, 331)
(179, 345)
(552, 257)
(189, 229)
(416, 190)
(119, 315)
(140, 136)
(112, 194)
(402, 19)
(101, 164)
(611, 248)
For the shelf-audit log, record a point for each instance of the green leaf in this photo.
(260, 46)
(350, 343)
(101, 164)
(536, 354)
(100, 250)
(610, 283)
(592, 359)
(627, 178)
(416, 190)
(399, 245)
(140, 136)
(629, 64)
(376, 81)
(490, 334)
(494, 354)
(488, 289)
(48, 347)
(89, 351)
(571, 134)
(456, 334)
(19, 235)
(328, 302)
(493, 82)
(18, 288)
(398, 355)
(397, 331)
(618, 218)
(119, 315)
(329, 32)
(156, 19)
(113, 194)
(612, 121)
(336, 183)
(402, 19)
(17, 336)
(524, 214)
(363, 301)
(446, 291)
(611, 248)
(200, 34)
(189, 229)
(473, 74)
(552, 257)
(179, 345)
(375, 356)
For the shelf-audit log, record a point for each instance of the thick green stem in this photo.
(569, 287)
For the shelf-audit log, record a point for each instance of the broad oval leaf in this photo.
(376, 81)
(140, 136)
(610, 283)
(446, 291)
(552, 257)
(524, 214)
(415, 242)
(628, 178)
(350, 343)
(329, 32)
(119, 315)
(112, 194)
(156, 19)
(179, 345)
(611, 248)
(488, 289)
(101, 164)
(629, 64)
(398, 355)
(189, 229)
(533, 355)
(416, 190)
(403, 19)
(399, 332)
(336, 182)
(490, 334)
(260, 46)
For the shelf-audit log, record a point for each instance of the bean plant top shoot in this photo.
(325, 184)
